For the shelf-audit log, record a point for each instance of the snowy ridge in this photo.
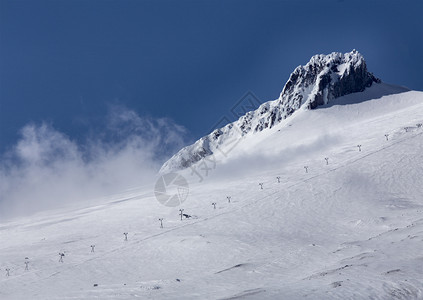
(322, 79)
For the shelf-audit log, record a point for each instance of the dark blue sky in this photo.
(64, 62)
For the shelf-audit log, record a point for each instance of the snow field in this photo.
(352, 229)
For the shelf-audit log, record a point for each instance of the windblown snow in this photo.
(351, 227)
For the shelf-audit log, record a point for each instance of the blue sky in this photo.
(67, 62)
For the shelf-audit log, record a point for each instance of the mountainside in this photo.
(323, 79)
(350, 227)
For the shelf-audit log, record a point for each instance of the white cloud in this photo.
(47, 169)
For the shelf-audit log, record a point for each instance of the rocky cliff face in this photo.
(322, 79)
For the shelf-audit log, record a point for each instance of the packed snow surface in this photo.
(349, 229)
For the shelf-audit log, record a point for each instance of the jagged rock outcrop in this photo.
(322, 79)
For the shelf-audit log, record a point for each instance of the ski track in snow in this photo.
(352, 229)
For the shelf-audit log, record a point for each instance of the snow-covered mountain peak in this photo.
(326, 77)
(353, 57)
(322, 79)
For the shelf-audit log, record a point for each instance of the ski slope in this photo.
(349, 229)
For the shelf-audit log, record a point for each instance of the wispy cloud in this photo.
(47, 169)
